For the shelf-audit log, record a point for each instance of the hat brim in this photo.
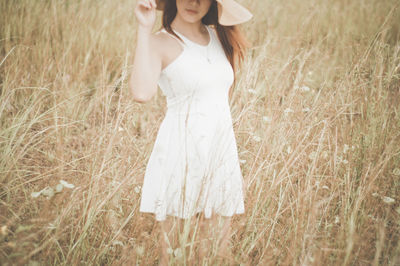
(230, 12)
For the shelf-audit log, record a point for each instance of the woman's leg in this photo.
(168, 238)
(213, 231)
(178, 233)
(224, 234)
(205, 241)
(221, 232)
(216, 231)
(189, 238)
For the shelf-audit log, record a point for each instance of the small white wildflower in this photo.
(66, 184)
(396, 171)
(256, 138)
(267, 119)
(312, 155)
(59, 188)
(325, 187)
(305, 88)
(388, 200)
(48, 191)
(337, 220)
(117, 242)
(306, 109)
(4, 230)
(36, 194)
(345, 148)
(289, 149)
(288, 110)
(252, 91)
(178, 253)
(137, 189)
(140, 250)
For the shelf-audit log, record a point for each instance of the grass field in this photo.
(316, 116)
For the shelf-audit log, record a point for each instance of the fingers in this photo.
(144, 3)
(147, 3)
(153, 3)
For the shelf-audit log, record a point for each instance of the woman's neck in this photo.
(188, 29)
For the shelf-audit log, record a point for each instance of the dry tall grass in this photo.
(316, 115)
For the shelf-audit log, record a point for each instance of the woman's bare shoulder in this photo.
(163, 40)
(166, 46)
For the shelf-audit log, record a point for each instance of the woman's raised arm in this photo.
(147, 62)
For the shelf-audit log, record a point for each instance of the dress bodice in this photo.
(201, 74)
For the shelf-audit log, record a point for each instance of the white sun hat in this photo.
(230, 12)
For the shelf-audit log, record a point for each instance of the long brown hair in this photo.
(231, 38)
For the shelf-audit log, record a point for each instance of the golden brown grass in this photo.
(316, 115)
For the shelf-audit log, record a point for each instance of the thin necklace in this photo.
(208, 58)
(208, 46)
(206, 54)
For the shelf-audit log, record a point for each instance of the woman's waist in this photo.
(197, 102)
(199, 108)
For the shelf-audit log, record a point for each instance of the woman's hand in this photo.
(145, 12)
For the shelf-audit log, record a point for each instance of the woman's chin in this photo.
(191, 18)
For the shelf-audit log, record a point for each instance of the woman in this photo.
(194, 167)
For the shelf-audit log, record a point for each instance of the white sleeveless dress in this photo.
(194, 165)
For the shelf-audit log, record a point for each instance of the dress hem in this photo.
(197, 212)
